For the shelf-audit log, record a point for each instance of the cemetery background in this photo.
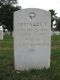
(7, 71)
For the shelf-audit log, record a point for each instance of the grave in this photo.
(1, 33)
(32, 39)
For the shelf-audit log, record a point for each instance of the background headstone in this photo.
(32, 39)
(1, 33)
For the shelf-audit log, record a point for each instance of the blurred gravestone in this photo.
(32, 39)
(1, 33)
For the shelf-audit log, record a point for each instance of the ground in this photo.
(7, 71)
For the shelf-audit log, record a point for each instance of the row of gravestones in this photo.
(32, 39)
(55, 33)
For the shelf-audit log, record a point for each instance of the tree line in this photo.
(56, 19)
(7, 8)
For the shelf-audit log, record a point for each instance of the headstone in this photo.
(32, 39)
(1, 33)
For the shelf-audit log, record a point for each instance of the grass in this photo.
(7, 71)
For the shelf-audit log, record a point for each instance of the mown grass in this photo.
(7, 71)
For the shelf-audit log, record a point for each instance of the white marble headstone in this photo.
(1, 33)
(32, 39)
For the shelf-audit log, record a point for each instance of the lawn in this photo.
(7, 71)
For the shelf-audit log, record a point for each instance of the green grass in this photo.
(7, 71)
